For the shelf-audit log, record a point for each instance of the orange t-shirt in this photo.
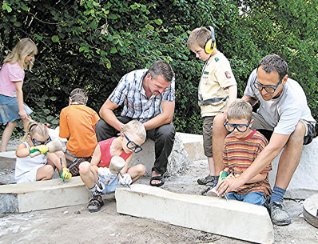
(77, 124)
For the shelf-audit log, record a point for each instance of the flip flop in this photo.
(158, 177)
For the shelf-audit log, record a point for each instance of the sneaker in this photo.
(205, 180)
(95, 204)
(214, 182)
(278, 215)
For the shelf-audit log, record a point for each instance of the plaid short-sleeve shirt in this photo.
(130, 94)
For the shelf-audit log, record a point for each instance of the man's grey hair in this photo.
(161, 68)
(273, 62)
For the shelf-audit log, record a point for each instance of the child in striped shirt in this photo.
(241, 148)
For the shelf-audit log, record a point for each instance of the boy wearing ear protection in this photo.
(77, 125)
(241, 147)
(217, 89)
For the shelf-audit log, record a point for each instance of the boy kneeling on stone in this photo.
(241, 147)
(98, 175)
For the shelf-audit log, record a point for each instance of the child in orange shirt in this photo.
(77, 124)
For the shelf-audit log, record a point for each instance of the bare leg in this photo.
(290, 157)
(219, 134)
(54, 159)
(136, 172)
(45, 173)
(6, 135)
(26, 123)
(211, 166)
(88, 174)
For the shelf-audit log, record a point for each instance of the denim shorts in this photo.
(9, 109)
(107, 183)
(257, 198)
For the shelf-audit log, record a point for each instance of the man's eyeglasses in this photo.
(38, 143)
(132, 145)
(239, 127)
(269, 89)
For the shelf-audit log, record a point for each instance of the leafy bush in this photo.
(91, 44)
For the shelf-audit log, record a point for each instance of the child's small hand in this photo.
(125, 179)
(65, 174)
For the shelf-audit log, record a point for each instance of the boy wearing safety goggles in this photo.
(98, 175)
(241, 147)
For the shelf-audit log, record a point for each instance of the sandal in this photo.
(95, 204)
(158, 177)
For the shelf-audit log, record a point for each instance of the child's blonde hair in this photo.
(25, 47)
(240, 109)
(135, 127)
(36, 128)
(198, 37)
(79, 96)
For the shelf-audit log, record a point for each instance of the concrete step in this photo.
(42, 195)
(210, 214)
(7, 160)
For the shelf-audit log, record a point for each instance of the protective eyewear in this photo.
(132, 145)
(38, 143)
(269, 89)
(239, 127)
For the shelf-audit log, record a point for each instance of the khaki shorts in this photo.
(261, 125)
(207, 135)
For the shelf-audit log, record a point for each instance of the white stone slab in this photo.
(228, 218)
(305, 179)
(8, 154)
(42, 195)
(193, 144)
(178, 160)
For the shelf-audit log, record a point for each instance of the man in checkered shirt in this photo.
(147, 95)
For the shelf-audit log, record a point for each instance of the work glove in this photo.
(37, 150)
(65, 174)
(125, 179)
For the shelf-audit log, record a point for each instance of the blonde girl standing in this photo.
(12, 75)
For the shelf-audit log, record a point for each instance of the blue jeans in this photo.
(257, 198)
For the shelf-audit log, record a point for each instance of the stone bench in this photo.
(210, 214)
(54, 193)
(39, 195)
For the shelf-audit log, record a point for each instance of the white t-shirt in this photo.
(27, 164)
(282, 113)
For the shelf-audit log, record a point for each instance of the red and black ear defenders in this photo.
(210, 44)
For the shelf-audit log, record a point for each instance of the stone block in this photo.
(178, 160)
(210, 214)
(305, 181)
(193, 145)
(7, 160)
(42, 195)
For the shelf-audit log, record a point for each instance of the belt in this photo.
(212, 101)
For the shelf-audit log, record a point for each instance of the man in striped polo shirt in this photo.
(147, 95)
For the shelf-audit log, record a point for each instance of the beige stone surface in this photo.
(210, 214)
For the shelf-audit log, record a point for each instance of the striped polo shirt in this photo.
(240, 153)
(131, 94)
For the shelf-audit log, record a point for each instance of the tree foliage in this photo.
(91, 44)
